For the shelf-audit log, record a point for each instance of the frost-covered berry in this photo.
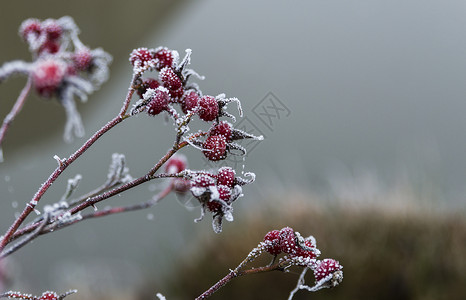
(30, 26)
(177, 94)
(140, 56)
(175, 164)
(272, 241)
(164, 58)
(306, 253)
(48, 296)
(50, 47)
(224, 194)
(226, 176)
(47, 76)
(288, 241)
(202, 186)
(169, 79)
(325, 268)
(158, 102)
(214, 206)
(208, 108)
(190, 102)
(71, 70)
(203, 181)
(82, 59)
(148, 83)
(181, 185)
(222, 128)
(215, 147)
(52, 29)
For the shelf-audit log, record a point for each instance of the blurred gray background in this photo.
(356, 99)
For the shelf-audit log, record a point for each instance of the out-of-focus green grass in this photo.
(403, 252)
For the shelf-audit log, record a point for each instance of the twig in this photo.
(143, 205)
(27, 239)
(237, 272)
(149, 176)
(63, 164)
(14, 111)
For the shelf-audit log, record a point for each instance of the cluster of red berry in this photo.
(215, 192)
(172, 88)
(42, 37)
(61, 60)
(62, 67)
(294, 245)
(286, 241)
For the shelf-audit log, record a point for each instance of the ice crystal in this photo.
(160, 296)
(117, 171)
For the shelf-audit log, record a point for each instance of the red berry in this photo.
(326, 267)
(52, 28)
(226, 176)
(288, 241)
(71, 70)
(208, 110)
(49, 296)
(140, 56)
(169, 79)
(214, 206)
(158, 102)
(215, 147)
(30, 26)
(82, 59)
(272, 240)
(190, 102)
(177, 94)
(148, 83)
(306, 253)
(164, 58)
(175, 164)
(224, 194)
(47, 76)
(50, 47)
(181, 185)
(222, 128)
(203, 181)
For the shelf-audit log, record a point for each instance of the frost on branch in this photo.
(297, 251)
(48, 295)
(300, 251)
(117, 171)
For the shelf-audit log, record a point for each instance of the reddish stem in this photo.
(41, 227)
(236, 273)
(15, 110)
(63, 164)
(147, 204)
(149, 176)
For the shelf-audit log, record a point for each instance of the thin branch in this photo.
(237, 272)
(121, 209)
(63, 164)
(27, 239)
(15, 110)
(44, 228)
(91, 195)
(149, 176)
